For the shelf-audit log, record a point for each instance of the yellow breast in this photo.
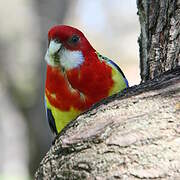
(62, 118)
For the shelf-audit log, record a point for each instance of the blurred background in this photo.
(112, 27)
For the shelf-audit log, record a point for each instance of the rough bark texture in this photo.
(132, 135)
(159, 38)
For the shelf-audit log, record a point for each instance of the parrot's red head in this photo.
(71, 38)
(67, 47)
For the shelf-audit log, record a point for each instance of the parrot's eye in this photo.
(57, 41)
(74, 39)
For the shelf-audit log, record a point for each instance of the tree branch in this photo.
(134, 134)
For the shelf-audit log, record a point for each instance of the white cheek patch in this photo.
(71, 59)
(66, 58)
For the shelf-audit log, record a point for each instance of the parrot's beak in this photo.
(52, 54)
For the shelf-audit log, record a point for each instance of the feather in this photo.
(103, 58)
(50, 119)
(119, 69)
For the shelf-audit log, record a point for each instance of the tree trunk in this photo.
(134, 134)
(159, 38)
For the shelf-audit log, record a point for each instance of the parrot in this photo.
(77, 76)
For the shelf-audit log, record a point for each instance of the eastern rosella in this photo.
(77, 76)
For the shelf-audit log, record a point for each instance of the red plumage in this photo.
(93, 80)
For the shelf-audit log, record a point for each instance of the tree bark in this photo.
(159, 38)
(134, 134)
